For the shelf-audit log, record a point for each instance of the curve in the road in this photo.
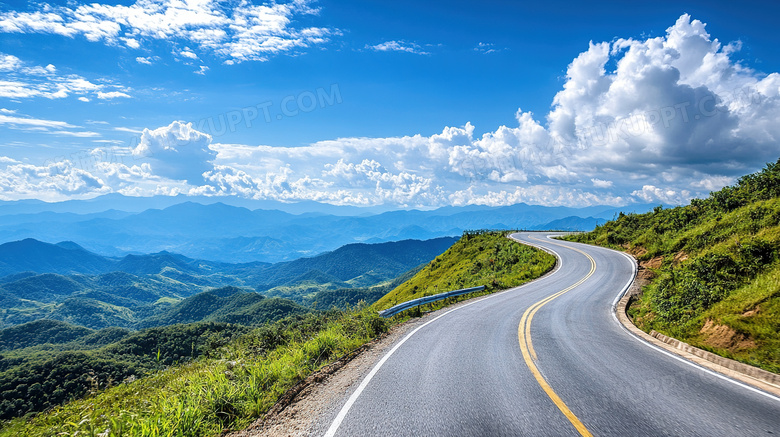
(466, 371)
(529, 354)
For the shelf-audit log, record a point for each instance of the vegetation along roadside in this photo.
(713, 268)
(237, 381)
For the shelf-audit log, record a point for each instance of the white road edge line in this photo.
(352, 399)
(613, 310)
(667, 353)
(345, 409)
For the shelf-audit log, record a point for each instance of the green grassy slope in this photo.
(37, 378)
(715, 268)
(488, 259)
(228, 387)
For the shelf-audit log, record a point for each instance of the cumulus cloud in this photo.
(54, 181)
(236, 31)
(657, 120)
(85, 174)
(19, 80)
(671, 102)
(177, 151)
(660, 119)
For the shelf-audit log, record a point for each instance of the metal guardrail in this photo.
(390, 312)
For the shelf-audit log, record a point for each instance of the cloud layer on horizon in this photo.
(662, 119)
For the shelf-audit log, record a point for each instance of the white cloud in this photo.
(24, 121)
(111, 95)
(128, 129)
(237, 31)
(397, 46)
(599, 183)
(55, 181)
(187, 53)
(9, 62)
(657, 120)
(650, 193)
(83, 99)
(176, 151)
(202, 70)
(486, 48)
(20, 80)
(145, 60)
(79, 134)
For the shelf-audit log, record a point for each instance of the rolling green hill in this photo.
(227, 305)
(142, 294)
(486, 258)
(76, 334)
(237, 379)
(350, 263)
(37, 378)
(40, 332)
(714, 268)
(112, 299)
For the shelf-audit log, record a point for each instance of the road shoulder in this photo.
(753, 376)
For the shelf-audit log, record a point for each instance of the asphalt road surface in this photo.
(548, 358)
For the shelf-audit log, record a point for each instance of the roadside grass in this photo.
(210, 395)
(489, 258)
(233, 385)
(716, 268)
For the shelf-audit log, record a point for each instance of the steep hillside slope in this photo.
(714, 267)
(486, 258)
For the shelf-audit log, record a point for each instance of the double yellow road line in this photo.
(529, 354)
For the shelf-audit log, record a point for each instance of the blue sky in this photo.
(413, 104)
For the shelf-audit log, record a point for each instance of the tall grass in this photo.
(489, 258)
(212, 394)
(717, 286)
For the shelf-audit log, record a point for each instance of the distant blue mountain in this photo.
(235, 230)
(572, 223)
(64, 258)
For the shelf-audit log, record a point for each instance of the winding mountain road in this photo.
(547, 358)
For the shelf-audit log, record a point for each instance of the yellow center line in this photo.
(529, 354)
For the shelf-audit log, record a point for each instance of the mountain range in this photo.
(66, 282)
(240, 230)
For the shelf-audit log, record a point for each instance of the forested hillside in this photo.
(36, 378)
(69, 334)
(714, 267)
(137, 291)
